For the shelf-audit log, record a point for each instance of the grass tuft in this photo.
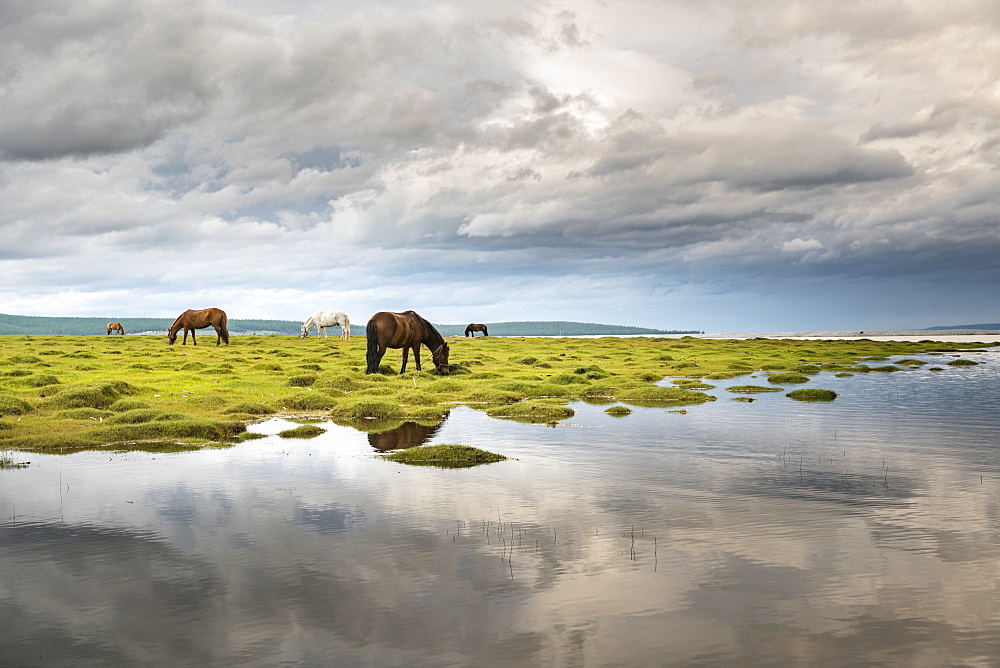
(447, 455)
(812, 395)
(302, 431)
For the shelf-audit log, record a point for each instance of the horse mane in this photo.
(431, 330)
(177, 320)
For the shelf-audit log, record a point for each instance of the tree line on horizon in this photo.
(48, 325)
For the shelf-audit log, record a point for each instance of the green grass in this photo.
(444, 456)
(69, 393)
(302, 431)
(783, 378)
(752, 389)
(812, 395)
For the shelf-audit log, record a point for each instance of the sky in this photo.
(716, 165)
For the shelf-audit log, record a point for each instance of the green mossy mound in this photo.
(140, 415)
(532, 411)
(368, 409)
(302, 431)
(308, 401)
(655, 395)
(751, 389)
(783, 378)
(962, 363)
(302, 381)
(41, 380)
(251, 408)
(618, 411)
(13, 405)
(447, 456)
(167, 428)
(123, 405)
(84, 414)
(812, 395)
(91, 395)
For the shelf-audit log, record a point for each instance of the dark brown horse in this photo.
(476, 327)
(116, 327)
(405, 330)
(192, 320)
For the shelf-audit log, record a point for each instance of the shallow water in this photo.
(773, 532)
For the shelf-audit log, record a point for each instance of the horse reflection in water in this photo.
(406, 435)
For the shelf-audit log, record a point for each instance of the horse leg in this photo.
(406, 354)
(218, 335)
(416, 355)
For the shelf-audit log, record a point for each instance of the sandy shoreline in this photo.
(955, 335)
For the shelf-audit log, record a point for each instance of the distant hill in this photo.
(995, 325)
(557, 328)
(43, 325)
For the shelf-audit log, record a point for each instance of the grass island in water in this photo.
(70, 393)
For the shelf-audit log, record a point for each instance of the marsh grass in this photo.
(67, 393)
(302, 431)
(752, 389)
(446, 455)
(783, 378)
(812, 395)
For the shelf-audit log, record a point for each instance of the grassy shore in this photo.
(68, 393)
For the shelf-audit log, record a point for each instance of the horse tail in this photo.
(346, 327)
(223, 325)
(371, 332)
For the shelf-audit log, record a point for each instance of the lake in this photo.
(864, 530)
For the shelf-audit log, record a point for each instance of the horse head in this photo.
(305, 332)
(171, 336)
(440, 356)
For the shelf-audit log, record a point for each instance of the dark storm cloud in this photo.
(89, 78)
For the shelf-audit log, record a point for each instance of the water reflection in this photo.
(406, 435)
(774, 532)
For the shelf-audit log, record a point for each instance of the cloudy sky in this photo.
(722, 165)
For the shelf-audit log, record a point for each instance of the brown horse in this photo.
(408, 331)
(115, 327)
(192, 320)
(476, 327)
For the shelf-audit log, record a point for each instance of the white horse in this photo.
(323, 319)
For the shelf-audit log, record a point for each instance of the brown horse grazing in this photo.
(476, 327)
(192, 320)
(405, 330)
(115, 327)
